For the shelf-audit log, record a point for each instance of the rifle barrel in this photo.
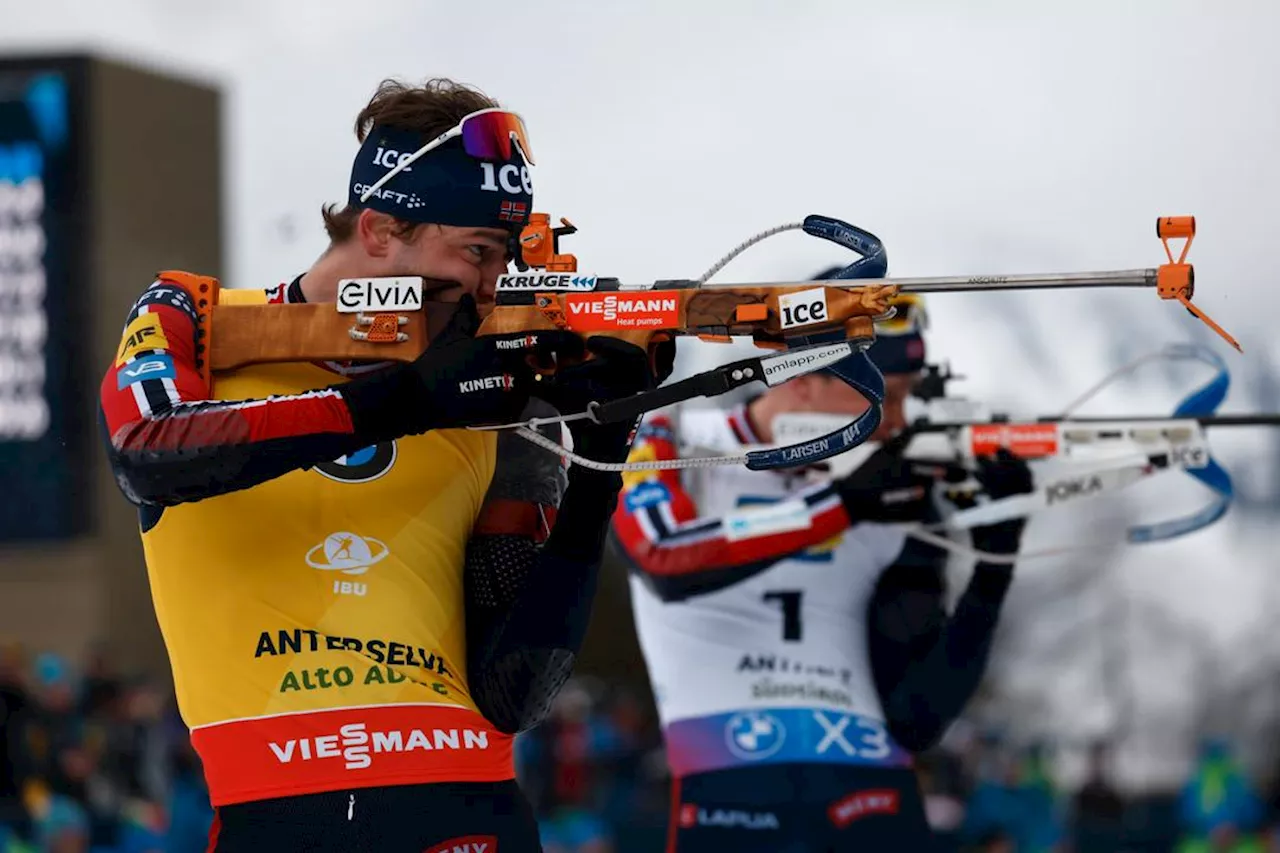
(1112, 278)
(1261, 419)
(961, 283)
(1271, 419)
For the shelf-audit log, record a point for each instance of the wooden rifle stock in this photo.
(235, 333)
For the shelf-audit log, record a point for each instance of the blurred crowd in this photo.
(94, 762)
(991, 796)
(596, 774)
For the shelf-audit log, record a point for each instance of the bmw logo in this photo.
(366, 464)
(753, 735)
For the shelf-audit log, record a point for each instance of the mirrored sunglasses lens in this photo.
(481, 139)
(488, 136)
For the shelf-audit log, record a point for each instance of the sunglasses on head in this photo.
(486, 135)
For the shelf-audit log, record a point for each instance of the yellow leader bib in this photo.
(314, 623)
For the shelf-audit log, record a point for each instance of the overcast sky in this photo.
(983, 137)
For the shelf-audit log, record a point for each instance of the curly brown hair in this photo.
(429, 110)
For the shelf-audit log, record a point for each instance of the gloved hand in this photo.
(617, 369)
(458, 381)
(889, 488)
(1002, 476)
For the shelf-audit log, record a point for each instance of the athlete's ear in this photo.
(374, 230)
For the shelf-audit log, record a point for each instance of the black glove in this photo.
(617, 369)
(1001, 476)
(889, 488)
(459, 381)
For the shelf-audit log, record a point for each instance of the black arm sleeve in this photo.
(528, 605)
(927, 665)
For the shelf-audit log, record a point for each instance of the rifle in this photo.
(811, 325)
(1101, 454)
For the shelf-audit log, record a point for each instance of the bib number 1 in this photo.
(789, 600)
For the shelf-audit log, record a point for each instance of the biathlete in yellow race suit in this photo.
(362, 601)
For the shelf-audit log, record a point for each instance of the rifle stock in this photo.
(237, 334)
(241, 335)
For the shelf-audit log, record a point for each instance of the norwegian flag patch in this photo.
(513, 211)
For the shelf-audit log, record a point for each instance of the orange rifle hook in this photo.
(1177, 279)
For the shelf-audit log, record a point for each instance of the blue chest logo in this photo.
(364, 465)
(754, 735)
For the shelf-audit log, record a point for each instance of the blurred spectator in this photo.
(1042, 827)
(136, 753)
(596, 773)
(995, 841)
(991, 806)
(575, 831)
(11, 842)
(1220, 811)
(1014, 798)
(190, 814)
(62, 826)
(58, 753)
(942, 785)
(627, 786)
(575, 735)
(101, 683)
(564, 770)
(1098, 810)
(141, 829)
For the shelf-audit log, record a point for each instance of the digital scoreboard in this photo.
(45, 415)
